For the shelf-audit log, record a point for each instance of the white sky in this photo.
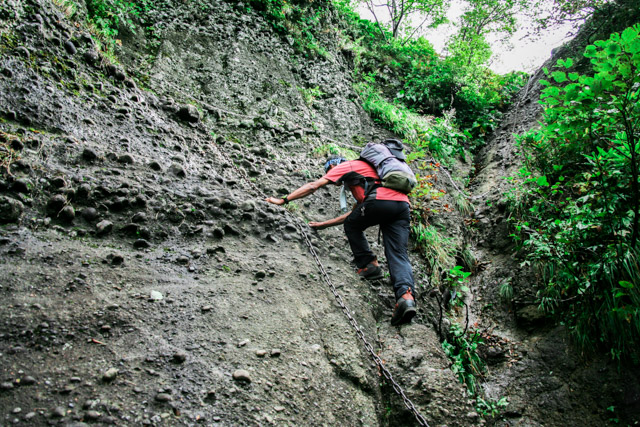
(525, 55)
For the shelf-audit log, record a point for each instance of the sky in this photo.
(524, 55)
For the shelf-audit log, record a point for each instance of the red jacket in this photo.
(353, 173)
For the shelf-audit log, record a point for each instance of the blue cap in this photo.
(333, 161)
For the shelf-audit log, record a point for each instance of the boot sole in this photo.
(406, 317)
(373, 277)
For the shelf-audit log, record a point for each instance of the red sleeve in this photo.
(336, 174)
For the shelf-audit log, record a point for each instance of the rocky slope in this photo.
(145, 281)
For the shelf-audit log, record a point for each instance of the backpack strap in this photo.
(369, 184)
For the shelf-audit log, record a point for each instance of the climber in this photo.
(376, 205)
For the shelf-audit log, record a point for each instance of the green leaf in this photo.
(559, 76)
(625, 284)
(625, 70)
(613, 49)
(574, 76)
(551, 91)
(629, 34)
(542, 181)
(591, 51)
(634, 46)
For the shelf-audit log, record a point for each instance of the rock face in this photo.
(159, 282)
(10, 209)
(211, 310)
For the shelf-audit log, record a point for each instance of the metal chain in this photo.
(325, 276)
(385, 372)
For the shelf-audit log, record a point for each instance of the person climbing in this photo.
(376, 205)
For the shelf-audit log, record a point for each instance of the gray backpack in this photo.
(388, 159)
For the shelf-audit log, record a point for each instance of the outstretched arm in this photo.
(301, 192)
(330, 222)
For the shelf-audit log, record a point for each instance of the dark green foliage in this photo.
(109, 15)
(429, 84)
(578, 212)
(433, 85)
(299, 19)
(462, 349)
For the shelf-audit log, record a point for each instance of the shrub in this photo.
(579, 202)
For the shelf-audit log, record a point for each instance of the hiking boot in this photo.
(405, 309)
(370, 272)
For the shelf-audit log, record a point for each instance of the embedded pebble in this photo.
(155, 296)
(110, 375)
(242, 375)
(163, 397)
(58, 412)
(92, 415)
(179, 357)
(141, 244)
(28, 380)
(104, 227)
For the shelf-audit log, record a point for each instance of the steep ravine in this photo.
(531, 360)
(145, 281)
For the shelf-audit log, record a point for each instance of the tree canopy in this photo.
(399, 14)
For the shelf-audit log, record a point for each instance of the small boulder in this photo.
(179, 357)
(58, 412)
(91, 57)
(90, 214)
(189, 113)
(163, 397)
(104, 227)
(67, 214)
(22, 185)
(89, 155)
(125, 159)
(242, 375)
(141, 244)
(70, 47)
(115, 259)
(56, 203)
(110, 375)
(177, 170)
(10, 210)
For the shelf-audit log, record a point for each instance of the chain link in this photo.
(325, 276)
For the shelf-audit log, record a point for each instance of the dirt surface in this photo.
(145, 281)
